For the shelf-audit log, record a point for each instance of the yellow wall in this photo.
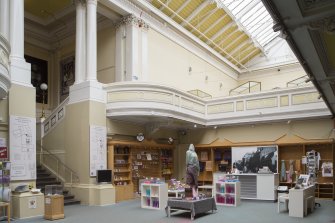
(78, 119)
(169, 64)
(272, 78)
(106, 55)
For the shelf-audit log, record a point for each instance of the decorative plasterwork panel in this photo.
(311, 7)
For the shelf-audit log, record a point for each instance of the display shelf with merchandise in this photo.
(227, 193)
(154, 196)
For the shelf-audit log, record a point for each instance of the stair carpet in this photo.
(45, 178)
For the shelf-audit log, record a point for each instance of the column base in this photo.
(88, 90)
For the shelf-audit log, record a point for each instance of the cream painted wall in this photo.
(307, 129)
(106, 55)
(54, 140)
(169, 64)
(78, 119)
(273, 78)
(20, 101)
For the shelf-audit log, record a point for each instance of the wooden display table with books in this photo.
(54, 207)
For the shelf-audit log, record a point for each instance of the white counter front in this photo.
(256, 186)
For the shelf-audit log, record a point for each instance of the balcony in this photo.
(146, 102)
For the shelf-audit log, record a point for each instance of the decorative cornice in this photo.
(324, 25)
(132, 20)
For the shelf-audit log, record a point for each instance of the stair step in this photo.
(71, 202)
(44, 183)
(43, 174)
(68, 197)
(46, 178)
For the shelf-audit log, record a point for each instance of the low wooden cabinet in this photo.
(54, 207)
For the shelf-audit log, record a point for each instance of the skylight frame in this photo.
(246, 19)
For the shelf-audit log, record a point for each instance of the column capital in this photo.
(132, 20)
(82, 2)
(95, 2)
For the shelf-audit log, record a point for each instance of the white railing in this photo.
(62, 172)
(54, 118)
(136, 98)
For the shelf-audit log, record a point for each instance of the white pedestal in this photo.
(27, 205)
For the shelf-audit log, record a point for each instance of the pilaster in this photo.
(131, 49)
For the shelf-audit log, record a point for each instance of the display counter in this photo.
(261, 186)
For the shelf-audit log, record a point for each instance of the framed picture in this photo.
(251, 159)
(67, 73)
(304, 179)
(39, 75)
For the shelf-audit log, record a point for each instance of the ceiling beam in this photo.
(247, 8)
(166, 4)
(195, 13)
(208, 14)
(228, 36)
(180, 8)
(249, 54)
(215, 23)
(243, 44)
(233, 42)
(224, 29)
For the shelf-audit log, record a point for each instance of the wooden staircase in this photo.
(44, 178)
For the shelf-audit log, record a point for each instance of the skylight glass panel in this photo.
(252, 16)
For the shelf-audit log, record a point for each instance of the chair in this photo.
(283, 199)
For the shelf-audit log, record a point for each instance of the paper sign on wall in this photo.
(98, 149)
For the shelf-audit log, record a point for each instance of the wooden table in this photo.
(6, 205)
(193, 206)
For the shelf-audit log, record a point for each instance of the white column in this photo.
(120, 37)
(131, 58)
(91, 46)
(144, 55)
(19, 69)
(80, 60)
(17, 29)
(4, 18)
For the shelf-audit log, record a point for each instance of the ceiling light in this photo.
(215, 127)
(195, 125)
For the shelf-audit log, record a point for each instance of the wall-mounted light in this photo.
(43, 87)
(195, 125)
(215, 127)
(170, 140)
(140, 137)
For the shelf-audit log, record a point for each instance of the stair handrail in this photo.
(74, 178)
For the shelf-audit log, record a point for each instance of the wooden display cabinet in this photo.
(324, 187)
(54, 207)
(134, 161)
(210, 159)
(119, 160)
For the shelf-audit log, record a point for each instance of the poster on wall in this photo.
(252, 158)
(98, 149)
(3, 149)
(22, 146)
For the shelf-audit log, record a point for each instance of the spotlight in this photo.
(170, 140)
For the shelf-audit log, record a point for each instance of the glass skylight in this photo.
(253, 18)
